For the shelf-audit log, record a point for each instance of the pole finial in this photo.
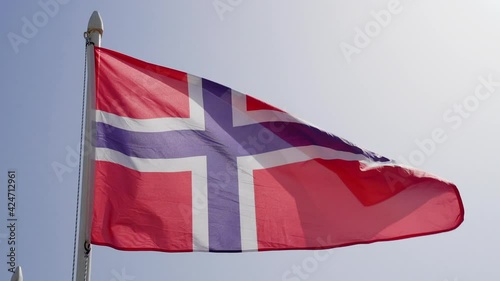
(18, 274)
(94, 29)
(95, 23)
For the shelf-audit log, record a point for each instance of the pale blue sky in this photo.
(407, 80)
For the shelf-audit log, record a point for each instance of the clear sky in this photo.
(384, 74)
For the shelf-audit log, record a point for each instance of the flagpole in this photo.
(93, 37)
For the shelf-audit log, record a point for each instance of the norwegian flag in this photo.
(185, 164)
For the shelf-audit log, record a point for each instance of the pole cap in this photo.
(95, 23)
(18, 275)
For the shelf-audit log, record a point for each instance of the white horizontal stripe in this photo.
(152, 165)
(297, 154)
(198, 168)
(196, 120)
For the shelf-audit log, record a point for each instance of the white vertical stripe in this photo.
(196, 108)
(248, 222)
(200, 208)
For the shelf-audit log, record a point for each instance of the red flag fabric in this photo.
(185, 164)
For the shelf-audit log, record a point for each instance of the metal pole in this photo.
(93, 34)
